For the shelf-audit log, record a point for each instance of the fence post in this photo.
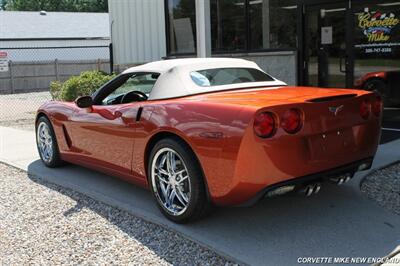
(10, 65)
(98, 64)
(56, 69)
(111, 58)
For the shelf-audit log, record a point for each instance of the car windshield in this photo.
(226, 76)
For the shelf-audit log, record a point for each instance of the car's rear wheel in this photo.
(176, 181)
(47, 143)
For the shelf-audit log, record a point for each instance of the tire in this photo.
(379, 86)
(174, 172)
(46, 143)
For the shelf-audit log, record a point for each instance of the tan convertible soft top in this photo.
(175, 81)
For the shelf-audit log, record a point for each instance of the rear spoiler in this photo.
(332, 98)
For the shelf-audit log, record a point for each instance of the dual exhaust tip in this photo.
(309, 189)
(341, 179)
(314, 188)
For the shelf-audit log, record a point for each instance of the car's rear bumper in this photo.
(321, 177)
(262, 163)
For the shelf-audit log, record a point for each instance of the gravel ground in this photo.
(383, 186)
(41, 223)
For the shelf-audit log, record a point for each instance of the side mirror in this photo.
(84, 101)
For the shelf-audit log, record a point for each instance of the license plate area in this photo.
(331, 144)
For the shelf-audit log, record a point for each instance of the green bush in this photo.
(84, 84)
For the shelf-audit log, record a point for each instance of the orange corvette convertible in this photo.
(203, 132)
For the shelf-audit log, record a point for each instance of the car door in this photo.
(103, 135)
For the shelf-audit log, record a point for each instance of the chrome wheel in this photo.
(44, 142)
(170, 181)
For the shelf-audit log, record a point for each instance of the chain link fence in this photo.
(25, 82)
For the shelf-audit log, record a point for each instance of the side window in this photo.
(143, 83)
(225, 76)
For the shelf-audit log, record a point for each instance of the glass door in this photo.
(327, 63)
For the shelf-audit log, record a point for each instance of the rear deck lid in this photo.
(270, 96)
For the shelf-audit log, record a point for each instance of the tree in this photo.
(3, 4)
(58, 5)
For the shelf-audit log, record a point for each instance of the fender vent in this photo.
(66, 136)
(332, 98)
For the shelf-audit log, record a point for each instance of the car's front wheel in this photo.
(176, 181)
(47, 143)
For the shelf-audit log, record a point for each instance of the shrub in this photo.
(84, 84)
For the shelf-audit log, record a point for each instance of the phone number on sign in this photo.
(378, 50)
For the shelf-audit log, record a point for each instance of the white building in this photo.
(42, 36)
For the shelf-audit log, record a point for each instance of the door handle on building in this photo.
(343, 70)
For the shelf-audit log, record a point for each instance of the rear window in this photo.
(226, 76)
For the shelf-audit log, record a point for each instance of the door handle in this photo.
(139, 113)
(130, 116)
(343, 70)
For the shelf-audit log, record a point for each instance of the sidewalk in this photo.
(17, 147)
(338, 222)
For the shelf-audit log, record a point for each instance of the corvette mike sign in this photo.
(377, 26)
(379, 31)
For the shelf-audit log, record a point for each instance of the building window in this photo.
(272, 24)
(249, 25)
(181, 30)
(236, 25)
(228, 25)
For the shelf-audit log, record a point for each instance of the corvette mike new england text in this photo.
(347, 260)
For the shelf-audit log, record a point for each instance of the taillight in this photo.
(265, 125)
(377, 106)
(291, 121)
(365, 109)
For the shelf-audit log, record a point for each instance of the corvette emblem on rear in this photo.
(336, 110)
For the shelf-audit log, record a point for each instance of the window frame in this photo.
(111, 86)
(168, 36)
(251, 71)
(247, 50)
